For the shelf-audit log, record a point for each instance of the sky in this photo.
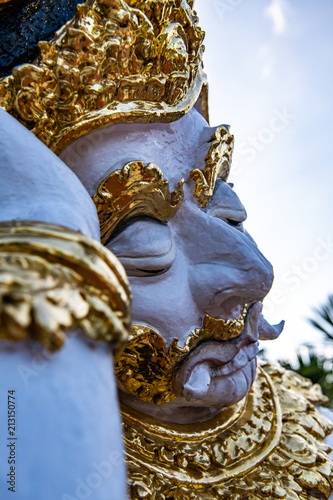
(270, 72)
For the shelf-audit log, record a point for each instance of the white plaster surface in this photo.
(69, 444)
(36, 185)
(204, 262)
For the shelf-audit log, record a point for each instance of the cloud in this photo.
(277, 12)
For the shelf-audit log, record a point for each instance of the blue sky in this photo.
(270, 71)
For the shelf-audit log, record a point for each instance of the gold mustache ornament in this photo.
(146, 367)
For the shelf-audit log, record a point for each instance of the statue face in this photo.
(200, 262)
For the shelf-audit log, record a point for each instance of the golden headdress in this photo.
(115, 61)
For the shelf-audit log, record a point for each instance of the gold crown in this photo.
(115, 61)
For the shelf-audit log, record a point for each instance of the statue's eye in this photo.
(234, 223)
(226, 206)
(144, 246)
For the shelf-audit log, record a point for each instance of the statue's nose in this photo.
(227, 269)
(222, 287)
(226, 205)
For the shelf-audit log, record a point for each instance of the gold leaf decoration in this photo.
(53, 279)
(247, 452)
(115, 61)
(217, 165)
(135, 190)
(146, 367)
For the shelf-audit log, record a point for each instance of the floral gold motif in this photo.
(135, 190)
(115, 61)
(53, 279)
(146, 367)
(217, 165)
(268, 446)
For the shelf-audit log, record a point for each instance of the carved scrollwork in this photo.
(133, 191)
(217, 165)
(270, 445)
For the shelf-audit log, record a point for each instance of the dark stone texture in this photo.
(25, 24)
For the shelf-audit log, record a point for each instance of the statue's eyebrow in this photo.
(136, 190)
(217, 165)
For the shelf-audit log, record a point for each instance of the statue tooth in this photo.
(252, 350)
(241, 359)
(238, 362)
(227, 369)
(198, 384)
(268, 331)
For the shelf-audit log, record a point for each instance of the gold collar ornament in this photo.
(53, 279)
(116, 61)
(268, 446)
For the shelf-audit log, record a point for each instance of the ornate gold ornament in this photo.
(53, 279)
(268, 446)
(217, 164)
(146, 367)
(139, 190)
(135, 190)
(115, 61)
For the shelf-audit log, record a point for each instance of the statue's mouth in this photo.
(214, 368)
(207, 369)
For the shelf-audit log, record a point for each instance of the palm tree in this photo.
(316, 367)
(312, 364)
(324, 323)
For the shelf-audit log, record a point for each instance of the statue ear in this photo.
(36, 185)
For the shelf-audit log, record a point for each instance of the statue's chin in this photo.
(215, 375)
(223, 391)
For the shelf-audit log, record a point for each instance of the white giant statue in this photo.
(130, 292)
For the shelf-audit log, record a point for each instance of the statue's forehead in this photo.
(139, 190)
(139, 170)
(175, 147)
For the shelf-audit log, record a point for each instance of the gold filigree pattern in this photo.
(217, 165)
(53, 279)
(135, 190)
(115, 61)
(269, 446)
(146, 367)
